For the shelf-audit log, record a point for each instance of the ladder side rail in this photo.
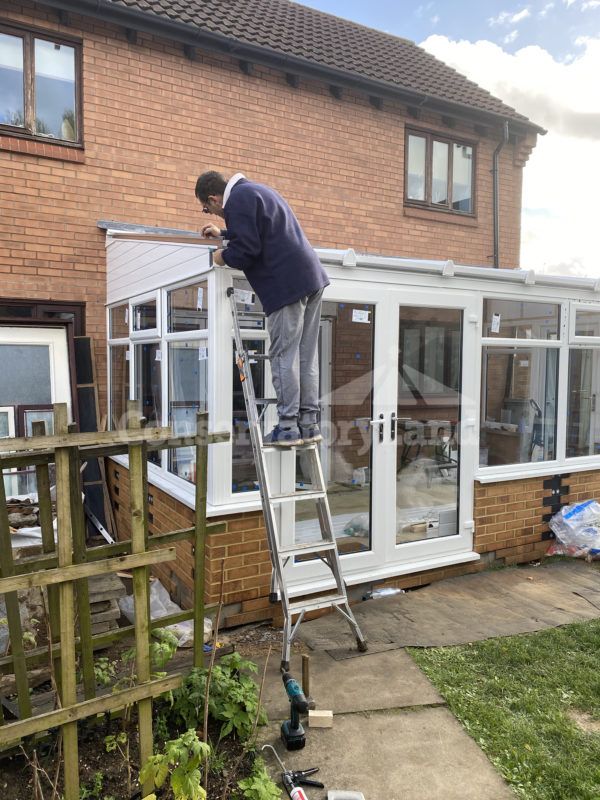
(256, 440)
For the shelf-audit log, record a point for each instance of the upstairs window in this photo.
(40, 86)
(439, 173)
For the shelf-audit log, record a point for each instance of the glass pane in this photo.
(587, 323)
(243, 471)
(439, 174)
(583, 421)
(119, 321)
(428, 413)
(415, 186)
(462, 174)
(187, 308)
(519, 389)
(512, 319)
(12, 109)
(249, 307)
(346, 389)
(188, 394)
(21, 312)
(148, 386)
(144, 316)
(29, 368)
(119, 386)
(38, 415)
(55, 90)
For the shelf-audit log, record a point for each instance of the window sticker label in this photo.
(244, 296)
(127, 355)
(202, 353)
(496, 323)
(126, 315)
(359, 315)
(200, 299)
(158, 355)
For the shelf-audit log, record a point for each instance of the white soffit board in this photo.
(134, 267)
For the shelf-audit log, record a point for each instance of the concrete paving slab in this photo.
(422, 754)
(468, 608)
(379, 681)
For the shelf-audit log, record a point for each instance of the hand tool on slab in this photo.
(293, 780)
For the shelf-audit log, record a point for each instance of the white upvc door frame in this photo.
(55, 339)
(385, 558)
(432, 550)
(356, 567)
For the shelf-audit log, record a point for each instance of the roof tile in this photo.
(292, 29)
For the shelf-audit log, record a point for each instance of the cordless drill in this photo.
(292, 732)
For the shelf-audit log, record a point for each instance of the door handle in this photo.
(378, 422)
(393, 426)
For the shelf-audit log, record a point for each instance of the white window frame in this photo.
(584, 340)
(566, 342)
(148, 333)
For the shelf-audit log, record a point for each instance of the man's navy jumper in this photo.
(265, 240)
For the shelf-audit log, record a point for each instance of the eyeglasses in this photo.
(206, 206)
(205, 209)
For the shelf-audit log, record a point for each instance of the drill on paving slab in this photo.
(292, 732)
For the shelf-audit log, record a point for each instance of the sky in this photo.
(542, 58)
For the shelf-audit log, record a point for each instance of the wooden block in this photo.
(320, 719)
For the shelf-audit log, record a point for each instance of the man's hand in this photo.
(218, 258)
(211, 231)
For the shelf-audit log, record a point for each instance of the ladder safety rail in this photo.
(324, 549)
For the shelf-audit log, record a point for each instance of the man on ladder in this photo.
(265, 241)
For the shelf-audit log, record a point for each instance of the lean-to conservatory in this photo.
(435, 378)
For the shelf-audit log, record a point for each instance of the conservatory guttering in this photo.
(348, 258)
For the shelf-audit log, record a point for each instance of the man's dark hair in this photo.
(210, 183)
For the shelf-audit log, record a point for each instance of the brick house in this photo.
(456, 393)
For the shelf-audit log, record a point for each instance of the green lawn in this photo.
(517, 697)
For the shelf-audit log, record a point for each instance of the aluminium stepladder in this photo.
(325, 549)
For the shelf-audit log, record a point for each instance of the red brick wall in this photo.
(153, 120)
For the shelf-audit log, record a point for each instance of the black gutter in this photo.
(148, 22)
(496, 194)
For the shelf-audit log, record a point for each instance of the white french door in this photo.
(399, 378)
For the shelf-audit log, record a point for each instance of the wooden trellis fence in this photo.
(64, 569)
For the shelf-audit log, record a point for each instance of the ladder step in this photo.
(288, 498)
(314, 604)
(257, 356)
(265, 401)
(283, 448)
(306, 549)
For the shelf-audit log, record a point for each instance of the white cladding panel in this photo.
(134, 267)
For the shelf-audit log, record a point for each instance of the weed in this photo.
(179, 763)
(233, 697)
(258, 786)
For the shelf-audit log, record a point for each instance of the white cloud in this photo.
(509, 17)
(511, 37)
(562, 178)
(590, 4)
(435, 19)
(544, 11)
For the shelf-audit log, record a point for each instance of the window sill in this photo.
(513, 473)
(185, 492)
(439, 215)
(30, 146)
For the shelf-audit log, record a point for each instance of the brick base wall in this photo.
(509, 527)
